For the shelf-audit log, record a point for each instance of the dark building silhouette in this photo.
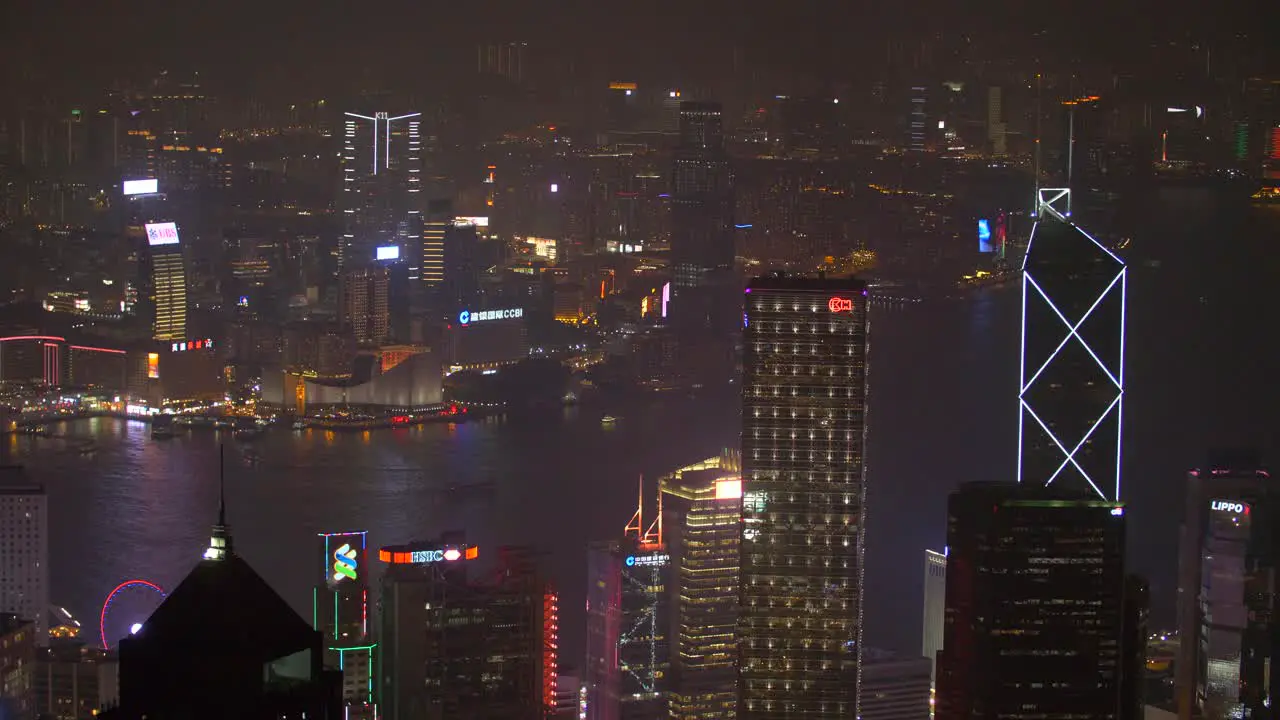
(1071, 393)
(455, 646)
(804, 425)
(704, 303)
(1036, 606)
(223, 644)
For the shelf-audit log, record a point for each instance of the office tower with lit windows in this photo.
(340, 610)
(24, 549)
(1071, 397)
(1035, 605)
(166, 282)
(935, 606)
(463, 645)
(431, 259)
(804, 426)
(381, 198)
(704, 302)
(1226, 569)
(703, 508)
(17, 661)
(628, 623)
(366, 306)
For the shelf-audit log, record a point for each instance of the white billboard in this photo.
(141, 187)
(478, 221)
(162, 233)
(387, 252)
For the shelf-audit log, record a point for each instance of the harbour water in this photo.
(1202, 344)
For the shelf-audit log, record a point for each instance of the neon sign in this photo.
(1228, 506)
(839, 304)
(430, 556)
(648, 560)
(467, 317)
(205, 344)
(162, 233)
(344, 563)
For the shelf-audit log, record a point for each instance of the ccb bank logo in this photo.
(344, 565)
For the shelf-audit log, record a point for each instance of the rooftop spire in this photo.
(220, 542)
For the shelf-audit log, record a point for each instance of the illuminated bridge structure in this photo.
(1071, 378)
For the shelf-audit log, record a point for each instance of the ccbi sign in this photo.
(467, 317)
(1228, 506)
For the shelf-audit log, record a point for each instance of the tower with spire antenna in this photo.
(220, 542)
(628, 625)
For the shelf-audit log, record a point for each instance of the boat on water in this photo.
(1266, 195)
(299, 425)
(608, 420)
(162, 427)
(247, 429)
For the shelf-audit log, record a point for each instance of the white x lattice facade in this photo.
(1061, 401)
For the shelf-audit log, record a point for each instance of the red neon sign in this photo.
(839, 304)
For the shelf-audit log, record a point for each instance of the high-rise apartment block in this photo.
(1036, 599)
(804, 425)
(1071, 399)
(17, 663)
(24, 549)
(1227, 569)
(703, 508)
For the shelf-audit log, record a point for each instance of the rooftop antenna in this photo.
(636, 523)
(220, 542)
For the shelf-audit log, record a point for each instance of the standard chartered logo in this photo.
(344, 565)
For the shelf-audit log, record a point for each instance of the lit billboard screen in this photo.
(153, 365)
(141, 187)
(345, 557)
(478, 221)
(162, 233)
(984, 236)
(387, 252)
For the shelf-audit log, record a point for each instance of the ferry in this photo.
(608, 420)
(162, 427)
(299, 425)
(247, 428)
(1266, 195)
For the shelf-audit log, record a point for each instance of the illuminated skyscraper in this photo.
(804, 425)
(935, 606)
(381, 195)
(1071, 394)
(628, 624)
(1227, 565)
(704, 514)
(436, 227)
(168, 282)
(1035, 605)
(340, 610)
(366, 308)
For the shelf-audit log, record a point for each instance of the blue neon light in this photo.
(464, 317)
